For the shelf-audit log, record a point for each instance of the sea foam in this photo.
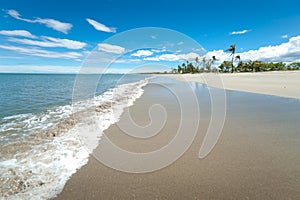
(39, 153)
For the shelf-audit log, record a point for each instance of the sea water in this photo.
(46, 135)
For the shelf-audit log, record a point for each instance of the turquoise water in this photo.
(46, 135)
(34, 93)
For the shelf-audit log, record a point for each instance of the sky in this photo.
(62, 36)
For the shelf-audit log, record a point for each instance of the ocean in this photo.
(43, 123)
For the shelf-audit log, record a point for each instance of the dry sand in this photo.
(284, 84)
(257, 156)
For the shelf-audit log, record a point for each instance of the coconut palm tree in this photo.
(210, 62)
(237, 58)
(204, 63)
(183, 68)
(179, 69)
(214, 58)
(232, 50)
(240, 65)
(197, 63)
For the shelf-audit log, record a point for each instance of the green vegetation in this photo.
(227, 66)
(258, 66)
(235, 65)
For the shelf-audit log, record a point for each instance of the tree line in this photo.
(234, 65)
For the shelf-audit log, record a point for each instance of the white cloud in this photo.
(285, 52)
(152, 59)
(128, 61)
(109, 48)
(41, 53)
(21, 33)
(14, 14)
(174, 57)
(239, 32)
(54, 24)
(189, 56)
(169, 57)
(101, 27)
(180, 43)
(158, 50)
(284, 36)
(50, 23)
(163, 57)
(51, 42)
(140, 53)
(153, 37)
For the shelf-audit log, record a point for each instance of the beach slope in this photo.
(256, 157)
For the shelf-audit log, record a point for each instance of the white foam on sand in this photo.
(37, 166)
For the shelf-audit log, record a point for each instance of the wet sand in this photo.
(256, 157)
(284, 84)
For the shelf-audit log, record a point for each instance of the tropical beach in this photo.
(119, 99)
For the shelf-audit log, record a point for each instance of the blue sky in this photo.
(59, 35)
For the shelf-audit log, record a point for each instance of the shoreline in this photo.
(56, 146)
(277, 83)
(252, 158)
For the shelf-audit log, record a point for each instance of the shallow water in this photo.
(43, 136)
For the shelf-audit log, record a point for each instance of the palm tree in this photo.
(210, 62)
(225, 66)
(183, 68)
(232, 50)
(204, 63)
(238, 57)
(197, 62)
(179, 69)
(213, 60)
(240, 64)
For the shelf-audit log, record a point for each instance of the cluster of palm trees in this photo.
(205, 65)
(257, 66)
(198, 67)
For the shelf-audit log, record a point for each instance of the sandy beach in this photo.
(149, 100)
(256, 157)
(284, 83)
